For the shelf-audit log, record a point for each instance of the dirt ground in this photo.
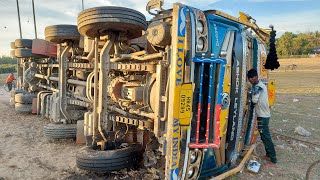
(297, 104)
(26, 154)
(294, 156)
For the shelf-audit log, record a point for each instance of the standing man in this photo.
(9, 80)
(260, 99)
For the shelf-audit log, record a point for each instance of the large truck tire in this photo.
(27, 53)
(23, 98)
(17, 91)
(60, 131)
(61, 33)
(23, 43)
(23, 108)
(109, 160)
(98, 21)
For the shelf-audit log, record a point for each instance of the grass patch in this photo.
(304, 80)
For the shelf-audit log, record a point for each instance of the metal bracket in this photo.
(153, 4)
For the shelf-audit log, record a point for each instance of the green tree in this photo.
(300, 44)
(8, 60)
(285, 44)
(7, 64)
(297, 44)
(313, 40)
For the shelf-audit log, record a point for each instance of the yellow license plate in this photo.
(185, 109)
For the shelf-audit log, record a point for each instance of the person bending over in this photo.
(260, 99)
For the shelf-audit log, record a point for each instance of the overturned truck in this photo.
(170, 93)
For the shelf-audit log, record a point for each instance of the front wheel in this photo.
(108, 160)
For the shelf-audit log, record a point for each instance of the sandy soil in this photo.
(25, 153)
(294, 156)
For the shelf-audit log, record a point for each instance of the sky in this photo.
(286, 15)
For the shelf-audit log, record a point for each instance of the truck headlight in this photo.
(200, 27)
(191, 172)
(193, 157)
(200, 44)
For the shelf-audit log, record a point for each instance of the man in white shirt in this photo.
(260, 99)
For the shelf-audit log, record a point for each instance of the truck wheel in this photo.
(61, 33)
(109, 160)
(23, 43)
(17, 91)
(12, 45)
(27, 53)
(23, 108)
(60, 131)
(24, 98)
(98, 21)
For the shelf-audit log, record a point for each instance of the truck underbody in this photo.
(169, 93)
